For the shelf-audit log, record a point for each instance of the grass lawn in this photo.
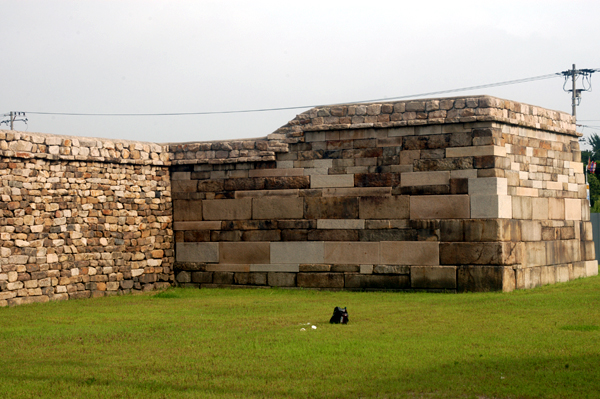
(186, 343)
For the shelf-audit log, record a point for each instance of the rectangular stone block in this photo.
(425, 178)
(485, 253)
(202, 277)
(277, 208)
(488, 186)
(184, 210)
(191, 226)
(285, 267)
(281, 279)
(561, 273)
(394, 207)
(250, 278)
(419, 253)
(227, 209)
(475, 151)
(357, 192)
(351, 253)
(433, 277)
(556, 208)
(531, 231)
(292, 192)
(331, 208)
(322, 181)
(244, 252)
(539, 208)
(591, 268)
(573, 209)
(275, 172)
(380, 282)
(297, 252)
(491, 206)
(222, 267)
(439, 207)
(547, 275)
(485, 278)
(320, 280)
(197, 252)
(340, 224)
(522, 207)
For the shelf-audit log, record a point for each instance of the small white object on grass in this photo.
(303, 329)
(314, 327)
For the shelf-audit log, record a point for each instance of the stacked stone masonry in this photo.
(82, 218)
(457, 194)
(453, 194)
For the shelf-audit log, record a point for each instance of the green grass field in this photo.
(185, 343)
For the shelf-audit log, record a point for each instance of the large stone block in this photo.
(196, 226)
(184, 210)
(425, 178)
(491, 206)
(534, 253)
(488, 186)
(372, 281)
(285, 267)
(227, 209)
(244, 252)
(331, 208)
(250, 278)
(556, 208)
(297, 252)
(485, 278)
(522, 207)
(281, 279)
(572, 209)
(433, 277)
(394, 207)
(439, 207)
(475, 151)
(350, 253)
(197, 252)
(591, 268)
(320, 280)
(277, 208)
(484, 253)
(340, 224)
(322, 181)
(421, 253)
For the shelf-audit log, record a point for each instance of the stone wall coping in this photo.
(377, 115)
(448, 110)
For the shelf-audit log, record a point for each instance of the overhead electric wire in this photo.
(505, 83)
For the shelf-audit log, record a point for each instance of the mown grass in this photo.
(186, 343)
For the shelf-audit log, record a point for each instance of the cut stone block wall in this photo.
(459, 194)
(82, 218)
(454, 194)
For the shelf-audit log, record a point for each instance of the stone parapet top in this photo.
(74, 148)
(427, 112)
(334, 117)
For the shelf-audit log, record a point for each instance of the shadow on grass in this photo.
(528, 377)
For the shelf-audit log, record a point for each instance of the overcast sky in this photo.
(198, 56)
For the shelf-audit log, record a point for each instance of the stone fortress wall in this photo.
(82, 217)
(454, 194)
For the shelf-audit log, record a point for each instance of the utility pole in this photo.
(12, 118)
(586, 83)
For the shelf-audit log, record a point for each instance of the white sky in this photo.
(194, 56)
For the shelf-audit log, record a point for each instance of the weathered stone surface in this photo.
(197, 252)
(433, 277)
(227, 209)
(351, 252)
(395, 207)
(244, 252)
(281, 279)
(440, 207)
(250, 278)
(371, 281)
(488, 278)
(485, 253)
(277, 208)
(320, 280)
(331, 208)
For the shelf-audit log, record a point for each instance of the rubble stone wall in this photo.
(82, 217)
(458, 194)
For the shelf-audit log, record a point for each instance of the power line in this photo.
(505, 83)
